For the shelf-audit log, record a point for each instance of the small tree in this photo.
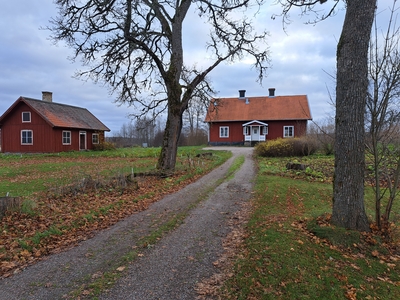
(383, 116)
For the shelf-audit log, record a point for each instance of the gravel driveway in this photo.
(169, 269)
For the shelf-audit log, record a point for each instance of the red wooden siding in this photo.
(235, 133)
(275, 131)
(45, 137)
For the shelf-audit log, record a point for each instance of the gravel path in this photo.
(167, 270)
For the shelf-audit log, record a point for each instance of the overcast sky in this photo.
(301, 61)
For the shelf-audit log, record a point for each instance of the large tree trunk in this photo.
(351, 93)
(173, 128)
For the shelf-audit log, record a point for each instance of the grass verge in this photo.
(292, 252)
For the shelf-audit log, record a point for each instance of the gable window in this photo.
(66, 137)
(224, 132)
(26, 137)
(95, 138)
(288, 131)
(26, 117)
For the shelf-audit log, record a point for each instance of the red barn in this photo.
(42, 126)
(248, 120)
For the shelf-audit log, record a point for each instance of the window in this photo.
(265, 130)
(246, 130)
(224, 132)
(95, 138)
(288, 131)
(26, 137)
(66, 137)
(26, 117)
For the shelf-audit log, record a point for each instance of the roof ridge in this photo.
(52, 103)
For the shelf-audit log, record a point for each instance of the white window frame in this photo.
(27, 138)
(97, 137)
(224, 131)
(22, 116)
(66, 137)
(286, 131)
(265, 130)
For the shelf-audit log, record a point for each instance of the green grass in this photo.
(288, 254)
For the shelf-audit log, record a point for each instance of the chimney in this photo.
(242, 94)
(47, 96)
(271, 92)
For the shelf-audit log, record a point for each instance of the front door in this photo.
(255, 133)
(82, 140)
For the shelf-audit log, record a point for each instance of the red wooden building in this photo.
(42, 126)
(248, 120)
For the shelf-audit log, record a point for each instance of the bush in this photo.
(286, 147)
(104, 146)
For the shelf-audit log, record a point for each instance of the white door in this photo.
(255, 133)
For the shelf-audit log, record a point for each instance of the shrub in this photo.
(286, 147)
(274, 148)
(104, 146)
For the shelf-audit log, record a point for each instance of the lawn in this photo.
(292, 252)
(68, 196)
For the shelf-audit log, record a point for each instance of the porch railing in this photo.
(261, 138)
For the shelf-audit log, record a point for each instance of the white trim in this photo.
(225, 133)
(27, 130)
(67, 137)
(255, 121)
(30, 116)
(84, 146)
(98, 138)
(284, 131)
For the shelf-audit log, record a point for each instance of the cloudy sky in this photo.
(302, 59)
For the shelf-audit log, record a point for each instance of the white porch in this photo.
(255, 131)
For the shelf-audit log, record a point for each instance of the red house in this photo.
(42, 126)
(248, 120)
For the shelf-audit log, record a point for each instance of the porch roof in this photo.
(255, 122)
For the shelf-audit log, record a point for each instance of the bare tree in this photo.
(383, 115)
(146, 130)
(136, 47)
(324, 133)
(351, 93)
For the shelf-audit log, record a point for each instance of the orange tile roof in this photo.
(259, 108)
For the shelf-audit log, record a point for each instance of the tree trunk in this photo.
(173, 128)
(351, 92)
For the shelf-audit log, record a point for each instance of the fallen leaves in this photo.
(61, 221)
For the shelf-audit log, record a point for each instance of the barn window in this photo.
(26, 137)
(95, 138)
(224, 132)
(288, 131)
(66, 137)
(26, 117)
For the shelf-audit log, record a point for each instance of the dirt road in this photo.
(170, 268)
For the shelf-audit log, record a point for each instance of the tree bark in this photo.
(169, 149)
(351, 94)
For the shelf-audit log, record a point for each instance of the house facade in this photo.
(43, 126)
(249, 120)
